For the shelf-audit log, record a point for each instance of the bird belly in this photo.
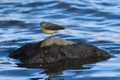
(47, 31)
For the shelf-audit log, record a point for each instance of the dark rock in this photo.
(70, 54)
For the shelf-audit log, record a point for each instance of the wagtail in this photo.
(50, 28)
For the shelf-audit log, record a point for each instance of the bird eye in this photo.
(41, 23)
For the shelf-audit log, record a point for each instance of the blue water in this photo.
(93, 21)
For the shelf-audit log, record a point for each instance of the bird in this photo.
(50, 28)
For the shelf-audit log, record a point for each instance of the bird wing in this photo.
(51, 26)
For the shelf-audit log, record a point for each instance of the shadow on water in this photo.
(54, 69)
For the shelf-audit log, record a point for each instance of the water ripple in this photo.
(96, 22)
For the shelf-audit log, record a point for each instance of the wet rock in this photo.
(58, 52)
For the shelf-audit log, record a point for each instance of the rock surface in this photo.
(50, 41)
(58, 52)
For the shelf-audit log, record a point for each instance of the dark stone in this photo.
(60, 56)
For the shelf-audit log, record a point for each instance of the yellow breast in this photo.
(46, 31)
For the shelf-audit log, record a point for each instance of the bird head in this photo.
(43, 23)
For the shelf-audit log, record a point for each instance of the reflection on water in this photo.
(96, 22)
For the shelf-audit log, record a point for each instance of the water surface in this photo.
(93, 21)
